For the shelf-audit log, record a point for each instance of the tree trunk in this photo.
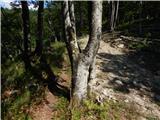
(39, 42)
(81, 18)
(86, 58)
(112, 16)
(81, 63)
(70, 35)
(140, 18)
(73, 25)
(116, 14)
(25, 18)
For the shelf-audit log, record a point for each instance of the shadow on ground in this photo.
(129, 73)
(45, 74)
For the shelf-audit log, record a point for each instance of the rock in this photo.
(97, 83)
(118, 39)
(120, 46)
(100, 99)
(118, 82)
(126, 101)
(135, 83)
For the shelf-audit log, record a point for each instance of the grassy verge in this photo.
(20, 89)
(91, 110)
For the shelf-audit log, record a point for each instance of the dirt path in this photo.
(45, 110)
(120, 78)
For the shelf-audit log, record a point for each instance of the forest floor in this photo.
(120, 76)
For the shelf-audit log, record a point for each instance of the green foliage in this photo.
(152, 118)
(19, 90)
(92, 110)
(106, 111)
(55, 56)
(61, 108)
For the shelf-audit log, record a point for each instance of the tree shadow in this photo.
(126, 73)
(49, 79)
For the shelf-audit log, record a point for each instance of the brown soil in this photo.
(45, 111)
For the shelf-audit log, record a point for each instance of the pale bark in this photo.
(116, 14)
(112, 16)
(82, 63)
(86, 58)
(70, 35)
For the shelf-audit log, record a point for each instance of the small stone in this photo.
(135, 83)
(126, 101)
(97, 83)
(120, 45)
(118, 39)
(118, 82)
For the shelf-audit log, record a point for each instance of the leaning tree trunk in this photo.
(39, 42)
(86, 58)
(25, 18)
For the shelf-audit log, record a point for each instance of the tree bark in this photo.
(140, 18)
(70, 35)
(26, 30)
(116, 14)
(86, 58)
(81, 63)
(81, 18)
(39, 41)
(70, 32)
(112, 16)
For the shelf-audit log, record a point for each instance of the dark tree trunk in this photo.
(39, 41)
(26, 31)
(140, 18)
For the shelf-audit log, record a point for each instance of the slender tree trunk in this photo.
(39, 41)
(140, 18)
(112, 16)
(116, 14)
(70, 35)
(81, 18)
(25, 18)
(73, 25)
(86, 58)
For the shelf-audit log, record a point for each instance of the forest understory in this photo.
(80, 60)
(120, 77)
